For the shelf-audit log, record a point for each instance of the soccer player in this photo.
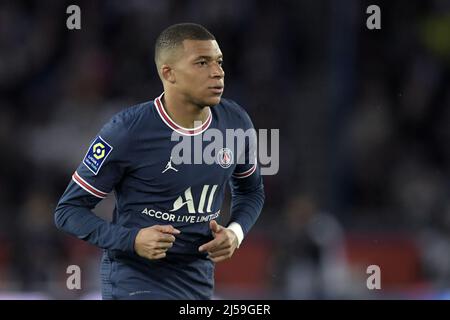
(163, 240)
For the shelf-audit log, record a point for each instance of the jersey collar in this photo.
(172, 125)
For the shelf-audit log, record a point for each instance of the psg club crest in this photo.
(225, 158)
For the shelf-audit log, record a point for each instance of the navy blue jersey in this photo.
(131, 156)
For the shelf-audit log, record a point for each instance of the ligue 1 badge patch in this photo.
(97, 154)
(225, 157)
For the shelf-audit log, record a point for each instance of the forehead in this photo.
(196, 48)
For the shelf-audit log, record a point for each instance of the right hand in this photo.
(153, 242)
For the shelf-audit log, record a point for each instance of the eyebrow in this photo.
(208, 57)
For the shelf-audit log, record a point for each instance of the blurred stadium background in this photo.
(364, 119)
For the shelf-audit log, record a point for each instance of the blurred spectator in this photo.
(310, 260)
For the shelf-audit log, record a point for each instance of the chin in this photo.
(213, 101)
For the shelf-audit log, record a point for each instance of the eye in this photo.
(202, 63)
(220, 62)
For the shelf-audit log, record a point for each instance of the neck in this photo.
(185, 113)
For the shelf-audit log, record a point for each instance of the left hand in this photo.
(224, 243)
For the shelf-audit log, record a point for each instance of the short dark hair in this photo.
(173, 36)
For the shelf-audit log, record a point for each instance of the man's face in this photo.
(199, 76)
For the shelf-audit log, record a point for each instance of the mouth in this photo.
(216, 89)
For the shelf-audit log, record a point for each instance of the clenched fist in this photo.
(153, 242)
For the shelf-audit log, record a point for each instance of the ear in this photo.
(167, 73)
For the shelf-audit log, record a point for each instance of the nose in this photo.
(217, 71)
